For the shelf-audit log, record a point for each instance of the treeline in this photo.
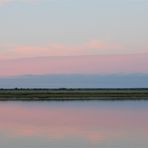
(47, 89)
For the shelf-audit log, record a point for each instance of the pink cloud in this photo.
(107, 64)
(93, 47)
(70, 59)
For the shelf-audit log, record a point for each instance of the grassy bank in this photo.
(73, 94)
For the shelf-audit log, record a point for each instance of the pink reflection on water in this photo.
(94, 125)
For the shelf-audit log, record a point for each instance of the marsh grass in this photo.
(73, 94)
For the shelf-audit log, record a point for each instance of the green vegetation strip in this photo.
(73, 94)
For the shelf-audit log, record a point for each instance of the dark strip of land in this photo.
(73, 94)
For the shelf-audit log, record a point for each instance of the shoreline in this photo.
(64, 94)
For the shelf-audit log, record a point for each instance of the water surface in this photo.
(92, 124)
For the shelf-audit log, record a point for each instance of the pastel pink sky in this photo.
(68, 37)
(92, 47)
(93, 57)
(103, 64)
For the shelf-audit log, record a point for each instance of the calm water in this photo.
(93, 124)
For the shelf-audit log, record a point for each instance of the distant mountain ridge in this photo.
(76, 81)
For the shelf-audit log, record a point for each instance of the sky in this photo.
(104, 37)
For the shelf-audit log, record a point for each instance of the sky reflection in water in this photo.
(74, 124)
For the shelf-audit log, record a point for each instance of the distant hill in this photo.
(76, 81)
